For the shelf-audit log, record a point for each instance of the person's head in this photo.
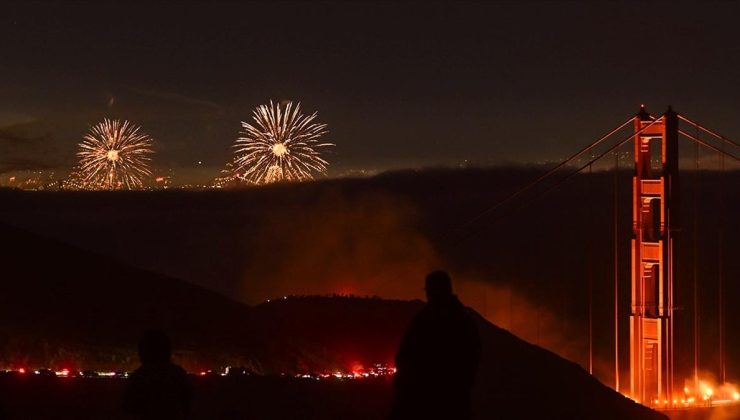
(154, 347)
(438, 286)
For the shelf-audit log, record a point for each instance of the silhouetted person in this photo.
(159, 389)
(437, 359)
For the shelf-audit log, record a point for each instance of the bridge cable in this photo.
(706, 130)
(720, 271)
(707, 145)
(570, 175)
(722, 153)
(616, 268)
(590, 289)
(529, 186)
(696, 266)
(543, 177)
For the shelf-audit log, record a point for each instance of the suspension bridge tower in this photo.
(654, 217)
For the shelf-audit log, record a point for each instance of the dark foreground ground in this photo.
(240, 398)
(215, 398)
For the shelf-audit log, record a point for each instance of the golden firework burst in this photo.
(114, 155)
(281, 144)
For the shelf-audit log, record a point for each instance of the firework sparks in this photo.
(281, 144)
(114, 155)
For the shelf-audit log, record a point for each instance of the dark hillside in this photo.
(516, 380)
(65, 307)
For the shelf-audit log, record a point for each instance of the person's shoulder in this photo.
(469, 312)
(469, 317)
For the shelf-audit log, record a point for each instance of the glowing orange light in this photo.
(21, 370)
(112, 155)
(279, 149)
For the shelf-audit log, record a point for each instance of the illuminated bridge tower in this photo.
(654, 218)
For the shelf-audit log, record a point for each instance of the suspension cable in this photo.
(701, 127)
(590, 292)
(616, 269)
(545, 176)
(696, 266)
(722, 153)
(579, 169)
(707, 145)
(720, 264)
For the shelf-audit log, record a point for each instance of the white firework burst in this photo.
(114, 155)
(281, 144)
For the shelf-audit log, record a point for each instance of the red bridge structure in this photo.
(655, 232)
(654, 215)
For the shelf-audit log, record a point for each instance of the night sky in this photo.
(400, 86)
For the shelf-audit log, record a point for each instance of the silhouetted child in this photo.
(438, 358)
(159, 389)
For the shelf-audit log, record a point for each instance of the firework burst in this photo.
(114, 155)
(281, 144)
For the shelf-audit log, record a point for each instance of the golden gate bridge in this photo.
(655, 231)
